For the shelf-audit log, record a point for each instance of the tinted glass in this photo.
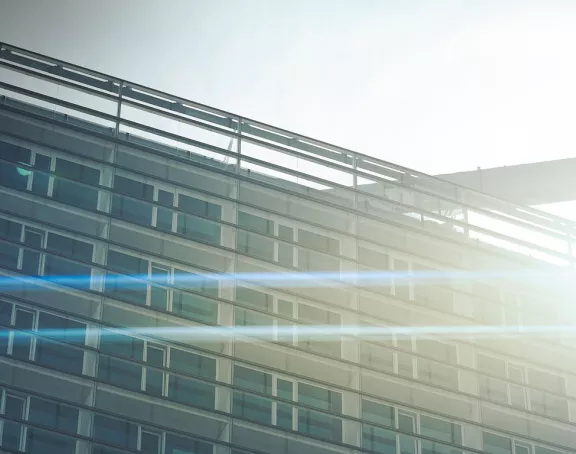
(133, 188)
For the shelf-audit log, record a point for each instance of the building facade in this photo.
(176, 279)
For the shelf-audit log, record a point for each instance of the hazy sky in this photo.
(438, 86)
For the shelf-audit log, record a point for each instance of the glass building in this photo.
(177, 279)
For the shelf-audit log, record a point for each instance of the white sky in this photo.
(438, 86)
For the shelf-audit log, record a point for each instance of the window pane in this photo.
(315, 396)
(69, 247)
(198, 229)
(40, 441)
(180, 445)
(319, 425)
(121, 345)
(374, 259)
(132, 210)
(378, 440)
(115, 431)
(254, 408)
(377, 413)
(14, 176)
(125, 263)
(195, 307)
(257, 246)
(77, 172)
(164, 219)
(441, 430)
(125, 288)
(53, 415)
(75, 194)
(59, 356)
(190, 363)
(134, 188)
(191, 392)
(10, 230)
(14, 153)
(80, 275)
(253, 379)
(317, 241)
(496, 444)
(120, 373)
(199, 207)
(255, 223)
(254, 298)
(150, 443)
(9, 255)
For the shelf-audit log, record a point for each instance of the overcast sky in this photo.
(439, 86)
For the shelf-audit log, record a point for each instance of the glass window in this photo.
(69, 247)
(193, 364)
(437, 350)
(14, 176)
(9, 252)
(377, 357)
(159, 295)
(132, 210)
(59, 356)
(437, 374)
(322, 398)
(53, 415)
(14, 153)
(198, 229)
(377, 413)
(121, 344)
(378, 440)
(134, 188)
(493, 366)
(77, 172)
(199, 207)
(149, 442)
(179, 445)
(14, 407)
(546, 381)
(285, 251)
(10, 230)
(254, 298)
(441, 430)
(314, 261)
(496, 444)
(125, 263)
(22, 341)
(493, 389)
(196, 282)
(40, 441)
(155, 356)
(255, 223)
(73, 193)
(120, 373)
(253, 379)
(115, 431)
(191, 392)
(374, 259)
(257, 246)
(75, 274)
(316, 241)
(31, 258)
(254, 408)
(314, 315)
(40, 179)
(319, 425)
(125, 288)
(195, 307)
